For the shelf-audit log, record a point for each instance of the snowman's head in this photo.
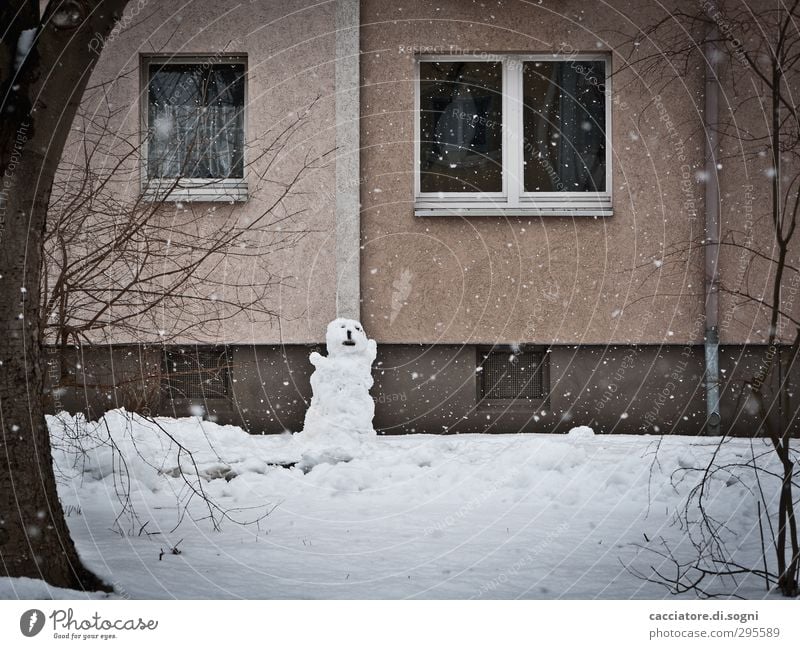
(346, 337)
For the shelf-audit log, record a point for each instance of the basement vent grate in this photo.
(506, 375)
(196, 373)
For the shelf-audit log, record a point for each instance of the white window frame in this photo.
(513, 200)
(189, 189)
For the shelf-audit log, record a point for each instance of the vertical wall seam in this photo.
(347, 215)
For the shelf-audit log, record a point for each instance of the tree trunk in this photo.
(39, 100)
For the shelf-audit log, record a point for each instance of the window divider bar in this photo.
(417, 147)
(512, 130)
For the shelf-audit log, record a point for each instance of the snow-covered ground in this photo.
(425, 516)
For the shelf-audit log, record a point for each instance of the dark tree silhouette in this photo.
(45, 64)
(754, 51)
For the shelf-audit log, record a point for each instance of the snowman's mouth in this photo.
(349, 343)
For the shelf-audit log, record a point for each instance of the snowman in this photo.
(338, 423)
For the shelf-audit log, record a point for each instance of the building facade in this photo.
(513, 212)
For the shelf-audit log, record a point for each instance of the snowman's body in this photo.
(339, 418)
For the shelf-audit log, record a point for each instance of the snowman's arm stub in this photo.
(372, 350)
(317, 359)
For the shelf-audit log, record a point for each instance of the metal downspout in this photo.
(711, 118)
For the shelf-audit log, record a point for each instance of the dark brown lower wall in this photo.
(434, 389)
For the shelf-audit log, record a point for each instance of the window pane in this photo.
(564, 126)
(461, 112)
(196, 121)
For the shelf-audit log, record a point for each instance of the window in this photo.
(196, 373)
(507, 375)
(512, 135)
(461, 119)
(194, 119)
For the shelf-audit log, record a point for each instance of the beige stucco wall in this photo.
(290, 49)
(542, 279)
(746, 207)
(632, 277)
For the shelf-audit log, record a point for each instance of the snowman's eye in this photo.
(342, 326)
(358, 328)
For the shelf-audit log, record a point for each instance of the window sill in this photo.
(593, 208)
(196, 191)
(510, 211)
